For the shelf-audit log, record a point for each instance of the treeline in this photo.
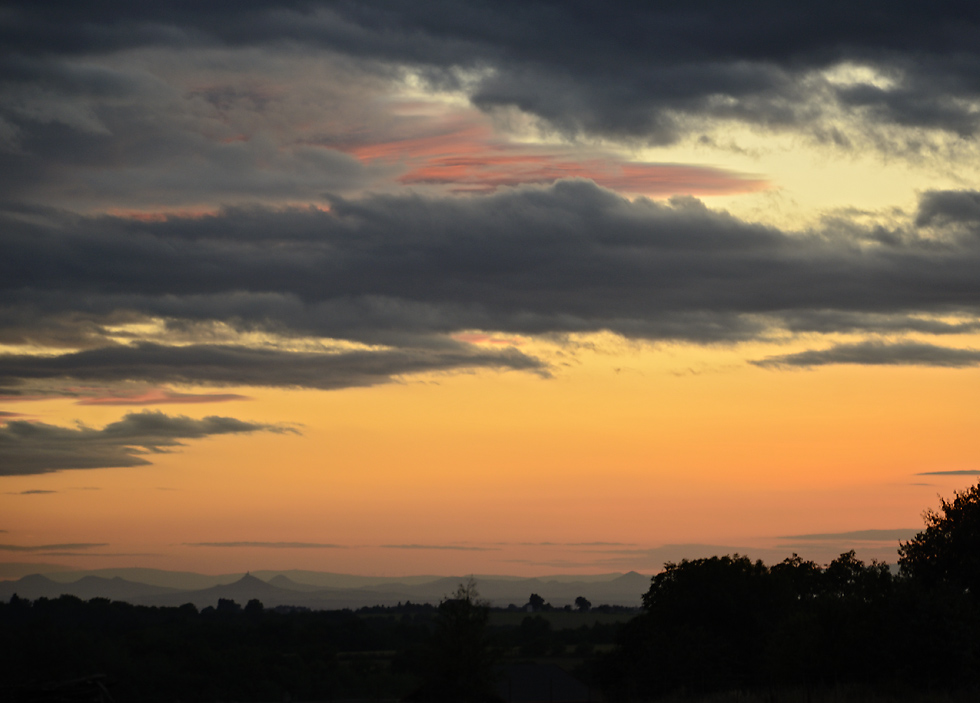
(728, 623)
(247, 652)
(708, 625)
(166, 654)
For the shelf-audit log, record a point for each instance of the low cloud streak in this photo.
(450, 547)
(50, 547)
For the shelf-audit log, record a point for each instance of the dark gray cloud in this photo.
(614, 69)
(874, 353)
(182, 130)
(268, 545)
(49, 547)
(243, 366)
(896, 323)
(169, 104)
(35, 448)
(409, 270)
(939, 208)
(35, 491)
(961, 472)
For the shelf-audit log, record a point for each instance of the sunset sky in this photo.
(524, 288)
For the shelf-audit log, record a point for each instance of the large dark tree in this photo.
(947, 552)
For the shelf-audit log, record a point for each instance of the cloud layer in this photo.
(404, 274)
(267, 194)
(652, 73)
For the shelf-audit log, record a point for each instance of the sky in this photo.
(522, 288)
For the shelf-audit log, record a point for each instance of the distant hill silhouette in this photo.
(241, 591)
(178, 580)
(283, 581)
(306, 588)
(327, 579)
(88, 587)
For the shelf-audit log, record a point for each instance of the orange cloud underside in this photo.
(162, 214)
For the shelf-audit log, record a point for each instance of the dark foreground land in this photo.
(710, 630)
(235, 653)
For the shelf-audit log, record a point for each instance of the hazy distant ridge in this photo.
(318, 590)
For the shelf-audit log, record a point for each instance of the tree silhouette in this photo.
(459, 662)
(583, 604)
(947, 552)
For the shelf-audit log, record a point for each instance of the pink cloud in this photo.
(460, 151)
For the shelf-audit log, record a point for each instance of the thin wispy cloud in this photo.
(268, 545)
(101, 554)
(956, 472)
(52, 547)
(449, 547)
(875, 353)
(569, 544)
(858, 535)
(161, 397)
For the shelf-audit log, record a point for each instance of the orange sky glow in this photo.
(373, 314)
